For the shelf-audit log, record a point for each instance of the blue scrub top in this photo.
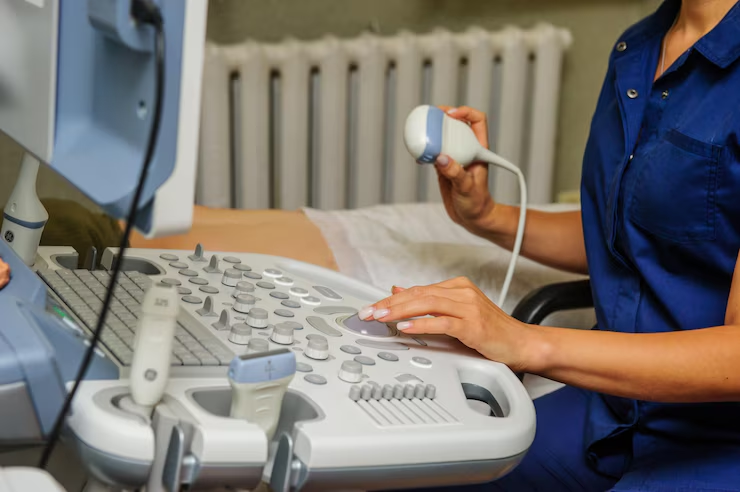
(661, 215)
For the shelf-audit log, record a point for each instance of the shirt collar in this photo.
(721, 45)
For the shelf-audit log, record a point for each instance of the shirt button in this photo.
(632, 93)
(621, 46)
(665, 94)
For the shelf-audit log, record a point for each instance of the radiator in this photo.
(319, 123)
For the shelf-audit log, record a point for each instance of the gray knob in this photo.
(430, 392)
(240, 334)
(388, 392)
(257, 345)
(317, 348)
(351, 371)
(367, 392)
(197, 254)
(408, 391)
(244, 302)
(242, 288)
(355, 393)
(207, 309)
(282, 334)
(377, 392)
(257, 318)
(419, 391)
(398, 392)
(223, 321)
(212, 265)
(231, 277)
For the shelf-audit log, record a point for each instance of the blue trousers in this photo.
(557, 460)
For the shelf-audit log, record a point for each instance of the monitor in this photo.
(76, 91)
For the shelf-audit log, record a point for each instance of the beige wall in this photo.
(595, 25)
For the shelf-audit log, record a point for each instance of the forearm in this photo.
(552, 238)
(684, 366)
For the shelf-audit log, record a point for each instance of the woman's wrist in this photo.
(536, 349)
(495, 222)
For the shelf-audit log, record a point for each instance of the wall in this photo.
(595, 25)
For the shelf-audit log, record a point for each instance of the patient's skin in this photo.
(275, 232)
(4, 274)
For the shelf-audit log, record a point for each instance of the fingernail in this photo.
(452, 111)
(404, 325)
(365, 312)
(381, 313)
(443, 160)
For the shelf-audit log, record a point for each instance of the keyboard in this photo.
(83, 292)
(367, 401)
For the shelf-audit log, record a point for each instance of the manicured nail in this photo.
(452, 111)
(443, 160)
(365, 312)
(404, 325)
(381, 313)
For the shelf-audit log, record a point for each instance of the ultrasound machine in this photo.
(208, 369)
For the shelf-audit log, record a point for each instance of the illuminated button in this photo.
(298, 292)
(272, 272)
(311, 300)
(286, 281)
(421, 362)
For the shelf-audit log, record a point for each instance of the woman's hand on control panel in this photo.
(4, 274)
(458, 309)
(465, 189)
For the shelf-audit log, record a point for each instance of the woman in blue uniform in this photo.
(650, 401)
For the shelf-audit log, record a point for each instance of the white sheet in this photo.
(418, 244)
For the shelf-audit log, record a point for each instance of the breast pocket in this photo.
(675, 190)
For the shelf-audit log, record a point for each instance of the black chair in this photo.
(563, 296)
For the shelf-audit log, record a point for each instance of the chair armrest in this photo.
(563, 296)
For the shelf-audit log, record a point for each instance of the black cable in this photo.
(146, 12)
